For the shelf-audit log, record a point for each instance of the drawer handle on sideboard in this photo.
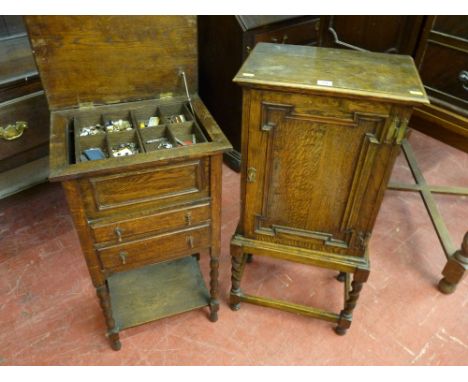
(118, 233)
(13, 131)
(123, 257)
(463, 77)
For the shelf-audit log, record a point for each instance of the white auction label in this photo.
(324, 83)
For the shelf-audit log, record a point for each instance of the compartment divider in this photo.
(76, 134)
(141, 143)
(108, 144)
(171, 134)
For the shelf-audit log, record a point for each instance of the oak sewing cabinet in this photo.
(321, 131)
(139, 157)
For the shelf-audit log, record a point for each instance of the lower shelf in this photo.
(157, 291)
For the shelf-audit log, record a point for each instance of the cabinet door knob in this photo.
(123, 257)
(118, 233)
(251, 175)
(463, 77)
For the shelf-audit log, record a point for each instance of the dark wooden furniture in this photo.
(386, 34)
(318, 146)
(141, 219)
(442, 59)
(224, 44)
(23, 153)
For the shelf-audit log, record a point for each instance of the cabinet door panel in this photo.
(330, 161)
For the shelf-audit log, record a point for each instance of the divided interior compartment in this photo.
(90, 142)
(82, 143)
(170, 113)
(86, 121)
(187, 133)
(123, 115)
(167, 134)
(118, 140)
(143, 115)
(154, 138)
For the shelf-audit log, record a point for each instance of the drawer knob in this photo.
(13, 131)
(118, 233)
(463, 77)
(190, 241)
(188, 218)
(123, 257)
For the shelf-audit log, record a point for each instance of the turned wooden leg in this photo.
(112, 331)
(214, 288)
(341, 277)
(346, 314)
(455, 268)
(238, 263)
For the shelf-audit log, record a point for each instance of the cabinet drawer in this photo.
(441, 70)
(166, 220)
(156, 187)
(33, 144)
(302, 34)
(156, 248)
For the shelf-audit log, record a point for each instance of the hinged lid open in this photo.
(100, 60)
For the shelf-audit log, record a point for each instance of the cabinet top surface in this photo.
(376, 75)
(98, 60)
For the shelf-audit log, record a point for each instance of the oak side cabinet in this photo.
(321, 130)
(139, 157)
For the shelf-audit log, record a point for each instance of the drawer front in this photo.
(166, 220)
(33, 143)
(303, 33)
(156, 248)
(441, 72)
(156, 187)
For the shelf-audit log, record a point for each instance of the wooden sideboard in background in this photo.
(23, 161)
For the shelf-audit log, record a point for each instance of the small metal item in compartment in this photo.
(187, 142)
(163, 143)
(118, 125)
(94, 153)
(124, 149)
(92, 130)
(176, 118)
(181, 143)
(153, 121)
